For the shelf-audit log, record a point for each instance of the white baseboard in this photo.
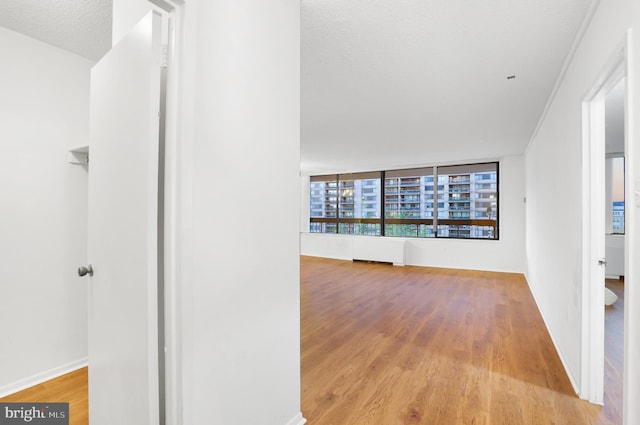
(39, 378)
(565, 365)
(297, 420)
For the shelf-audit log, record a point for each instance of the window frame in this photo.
(435, 221)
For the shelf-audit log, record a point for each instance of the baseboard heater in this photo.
(379, 249)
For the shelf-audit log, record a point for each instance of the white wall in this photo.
(554, 195)
(244, 311)
(237, 247)
(506, 254)
(614, 253)
(44, 110)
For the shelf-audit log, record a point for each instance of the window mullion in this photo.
(382, 203)
(435, 201)
(337, 204)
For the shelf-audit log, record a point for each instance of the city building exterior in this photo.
(463, 204)
(618, 217)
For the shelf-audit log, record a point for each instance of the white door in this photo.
(123, 230)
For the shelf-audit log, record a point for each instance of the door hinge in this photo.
(165, 56)
(602, 261)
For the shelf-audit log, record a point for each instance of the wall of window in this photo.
(407, 203)
(346, 203)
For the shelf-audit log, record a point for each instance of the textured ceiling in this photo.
(79, 26)
(388, 83)
(413, 82)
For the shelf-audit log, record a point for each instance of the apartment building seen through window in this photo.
(453, 201)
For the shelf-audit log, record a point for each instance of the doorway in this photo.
(604, 141)
(614, 207)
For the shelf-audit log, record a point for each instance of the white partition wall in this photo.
(555, 178)
(236, 246)
(242, 317)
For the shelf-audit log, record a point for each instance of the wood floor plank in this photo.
(614, 350)
(413, 345)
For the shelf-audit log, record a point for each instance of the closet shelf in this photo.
(79, 155)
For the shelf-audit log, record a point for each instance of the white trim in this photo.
(168, 6)
(588, 17)
(592, 327)
(41, 377)
(297, 420)
(631, 385)
(172, 313)
(593, 246)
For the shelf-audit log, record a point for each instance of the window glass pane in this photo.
(470, 207)
(359, 197)
(368, 229)
(426, 231)
(615, 180)
(408, 194)
(461, 200)
(323, 204)
(408, 202)
(323, 201)
(406, 230)
(346, 203)
(618, 216)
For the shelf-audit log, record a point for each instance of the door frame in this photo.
(171, 297)
(593, 227)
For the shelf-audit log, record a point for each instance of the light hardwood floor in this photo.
(71, 388)
(614, 351)
(384, 345)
